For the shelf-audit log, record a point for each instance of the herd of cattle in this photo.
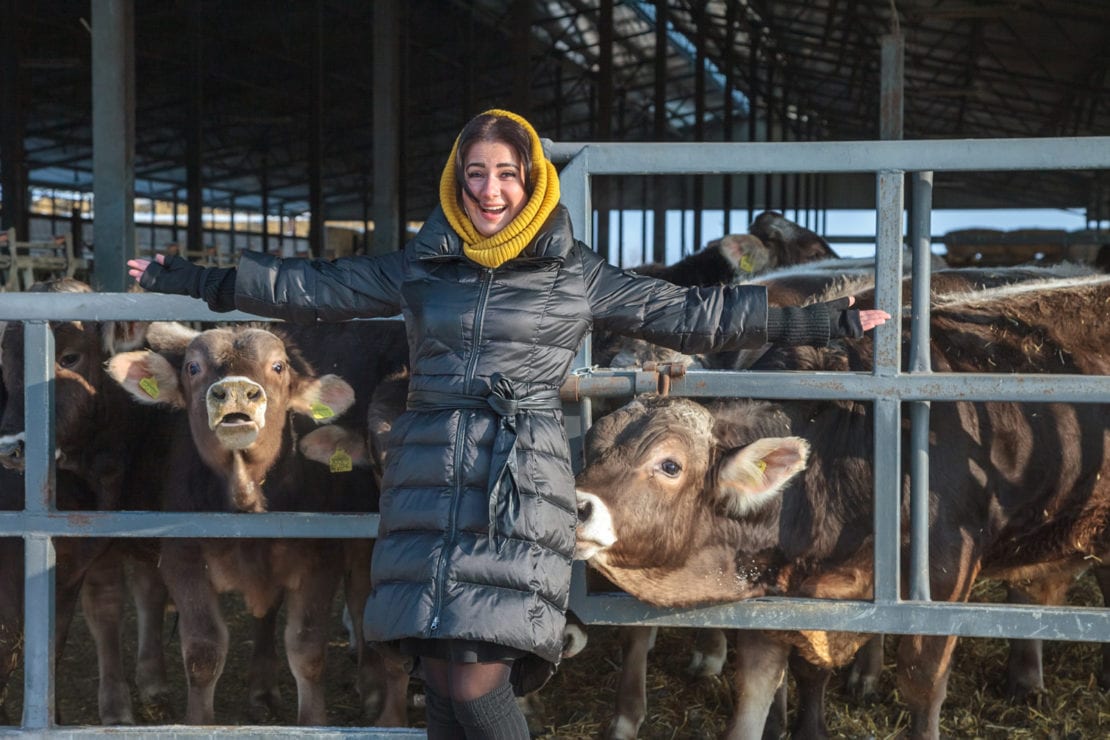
(680, 503)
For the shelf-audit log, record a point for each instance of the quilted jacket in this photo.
(478, 505)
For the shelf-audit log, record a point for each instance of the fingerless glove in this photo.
(814, 325)
(177, 275)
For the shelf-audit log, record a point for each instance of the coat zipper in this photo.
(460, 438)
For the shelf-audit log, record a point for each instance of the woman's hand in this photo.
(871, 317)
(138, 266)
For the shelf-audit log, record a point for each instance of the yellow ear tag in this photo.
(746, 263)
(321, 411)
(340, 462)
(150, 385)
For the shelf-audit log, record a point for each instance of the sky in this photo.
(839, 223)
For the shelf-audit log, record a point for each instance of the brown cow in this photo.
(682, 504)
(233, 451)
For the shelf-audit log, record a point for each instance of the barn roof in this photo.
(973, 68)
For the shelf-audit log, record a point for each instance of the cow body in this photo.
(684, 505)
(235, 451)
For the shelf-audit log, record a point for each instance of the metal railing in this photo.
(886, 387)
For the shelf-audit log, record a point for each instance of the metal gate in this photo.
(887, 387)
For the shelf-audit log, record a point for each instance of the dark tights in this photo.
(472, 701)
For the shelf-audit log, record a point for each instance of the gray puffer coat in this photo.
(478, 505)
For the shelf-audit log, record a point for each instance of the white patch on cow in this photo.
(574, 640)
(753, 476)
(1016, 290)
(10, 439)
(595, 526)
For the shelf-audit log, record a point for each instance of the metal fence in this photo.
(887, 387)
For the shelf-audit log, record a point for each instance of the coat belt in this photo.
(506, 401)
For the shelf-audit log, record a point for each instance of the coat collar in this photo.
(437, 240)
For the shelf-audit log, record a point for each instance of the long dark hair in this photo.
(491, 128)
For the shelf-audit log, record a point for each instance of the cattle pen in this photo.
(887, 387)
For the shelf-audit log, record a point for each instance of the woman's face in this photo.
(494, 186)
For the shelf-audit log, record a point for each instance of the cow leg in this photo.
(150, 596)
(811, 682)
(307, 617)
(863, 675)
(760, 668)
(709, 654)
(202, 630)
(102, 598)
(263, 695)
(1102, 576)
(636, 643)
(1024, 667)
(924, 663)
(383, 679)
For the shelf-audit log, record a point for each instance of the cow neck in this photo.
(244, 472)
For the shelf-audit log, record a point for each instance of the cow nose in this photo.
(595, 526)
(11, 453)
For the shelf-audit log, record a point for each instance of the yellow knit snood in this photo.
(511, 240)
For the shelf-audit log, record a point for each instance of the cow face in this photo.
(660, 490)
(237, 387)
(80, 348)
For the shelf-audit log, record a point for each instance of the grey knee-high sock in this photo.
(492, 716)
(440, 715)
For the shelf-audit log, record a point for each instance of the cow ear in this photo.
(147, 376)
(336, 446)
(170, 336)
(324, 398)
(752, 476)
(746, 253)
(120, 336)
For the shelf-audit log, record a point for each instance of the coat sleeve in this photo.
(700, 319)
(305, 291)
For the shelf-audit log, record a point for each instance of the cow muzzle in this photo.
(236, 411)
(12, 453)
(595, 527)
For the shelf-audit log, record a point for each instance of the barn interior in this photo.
(276, 120)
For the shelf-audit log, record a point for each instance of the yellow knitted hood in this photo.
(510, 241)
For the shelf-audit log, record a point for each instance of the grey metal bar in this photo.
(829, 385)
(920, 228)
(182, 732)
(113, 115)
(187, 524)
(38, 402)
(38, 632)
(930, 618)
(945, 155)
(115, 307)
(887, 415)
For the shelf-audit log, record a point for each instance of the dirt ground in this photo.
(579, 700)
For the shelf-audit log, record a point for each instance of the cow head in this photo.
(80, 348)
(789, 242)
(662, 494)
(237, 386)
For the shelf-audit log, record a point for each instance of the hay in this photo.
(578, 702)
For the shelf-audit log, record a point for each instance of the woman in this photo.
(471, 568)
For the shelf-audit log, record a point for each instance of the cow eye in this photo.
(69, 359)
(192, 367)
(670, 468)
(278, 367)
